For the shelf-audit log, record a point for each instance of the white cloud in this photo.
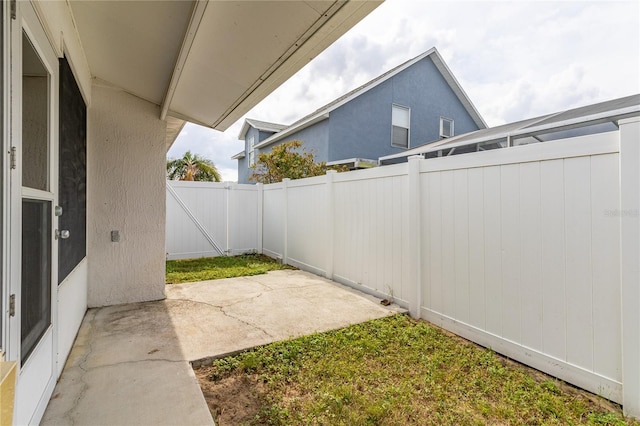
(515, 60)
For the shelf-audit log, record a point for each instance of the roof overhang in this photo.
(208, 62)
(291, 130)
(238, 156)
(260, 125)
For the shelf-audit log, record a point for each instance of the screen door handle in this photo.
(62, 234)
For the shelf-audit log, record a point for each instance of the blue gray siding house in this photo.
(415, 103)
(253, 132)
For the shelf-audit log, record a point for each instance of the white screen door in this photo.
(33, 195)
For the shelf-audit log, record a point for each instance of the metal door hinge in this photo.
(12, 305)
(12, 161)
(12, 6)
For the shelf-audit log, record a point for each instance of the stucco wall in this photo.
(126, 192)
(314, 139)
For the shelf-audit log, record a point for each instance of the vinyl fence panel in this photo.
(371, 231)
(273, 229)
(307, 220)
(242, 219)
(517, 248)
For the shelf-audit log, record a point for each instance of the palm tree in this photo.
(192, 167)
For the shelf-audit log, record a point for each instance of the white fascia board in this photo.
(243, 130)
(291, 130)
(335, 23)
(196, 18)
(238, 156)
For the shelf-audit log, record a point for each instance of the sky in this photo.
(514, 59)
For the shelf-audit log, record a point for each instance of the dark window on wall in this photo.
(446, 127)
(73, 172)
(400, 125)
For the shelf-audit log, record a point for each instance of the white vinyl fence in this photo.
(211, 219)
(532, 251)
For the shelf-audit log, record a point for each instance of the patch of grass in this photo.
(399, 371)
(212, 268)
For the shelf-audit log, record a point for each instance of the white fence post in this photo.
(330, 224)
(259, 218)
(415, 236)
(285, 206)
(630, 262)
(227, 199)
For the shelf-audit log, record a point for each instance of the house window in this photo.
(252, 157)
(400, 118)
(446, 127)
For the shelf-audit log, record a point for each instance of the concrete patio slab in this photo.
(130, 364)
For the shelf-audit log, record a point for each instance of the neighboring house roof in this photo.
(260, 125)
(323, 113)
(593, 118)
(238, 156)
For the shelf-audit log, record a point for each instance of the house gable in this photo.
(362, 127)
(359, 124)
(252, 131)
(324, 112)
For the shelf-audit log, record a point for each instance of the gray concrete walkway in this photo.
(130, 364)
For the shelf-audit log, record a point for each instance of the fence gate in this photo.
(206, 219)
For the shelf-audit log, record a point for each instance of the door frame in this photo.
(37, 376)
(5, 76)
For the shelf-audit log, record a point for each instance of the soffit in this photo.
(133, 44)
(208, 62)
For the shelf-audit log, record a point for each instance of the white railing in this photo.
(532, 251)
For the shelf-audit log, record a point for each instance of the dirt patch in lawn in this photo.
(233, 400)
